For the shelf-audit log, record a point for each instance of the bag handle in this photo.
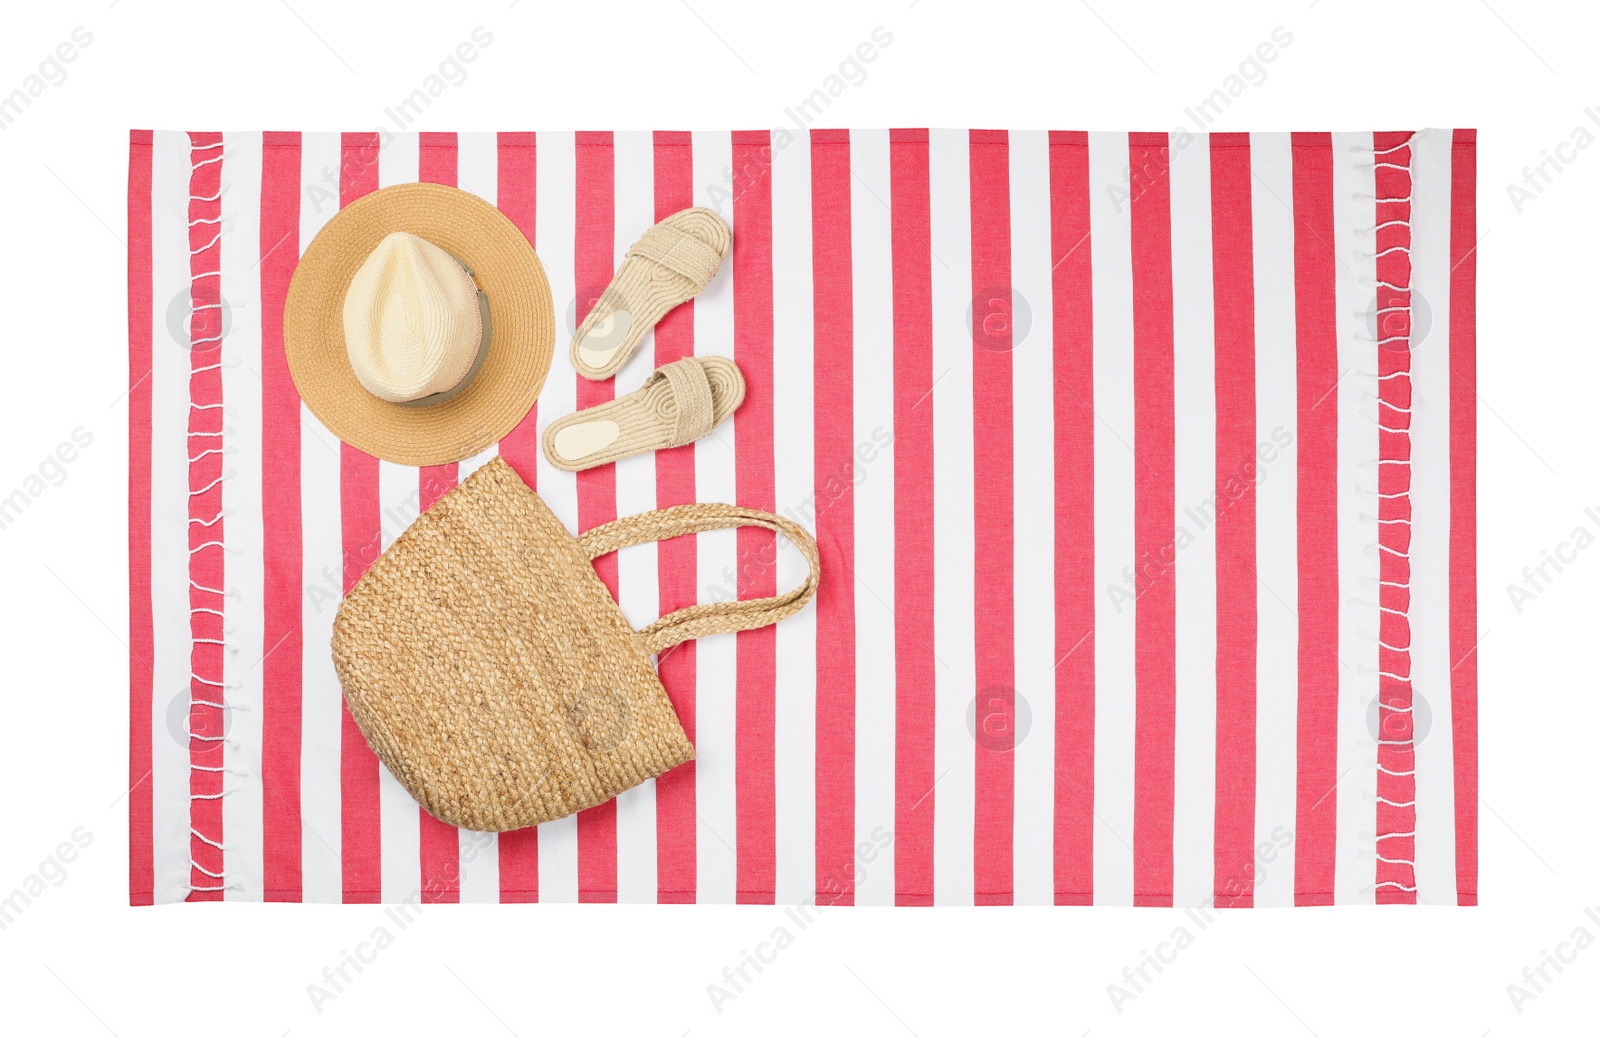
(713, 617)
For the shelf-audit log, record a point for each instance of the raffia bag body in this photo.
(494, 675)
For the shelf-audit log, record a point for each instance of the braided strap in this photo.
(681, 253)
(696, 621)
(691, 395)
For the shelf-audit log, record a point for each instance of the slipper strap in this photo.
(691, 394)
(683, 254)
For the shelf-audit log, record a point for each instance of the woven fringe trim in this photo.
(1395, 798)
(208, 704)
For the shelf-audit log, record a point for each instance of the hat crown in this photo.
(411, 320)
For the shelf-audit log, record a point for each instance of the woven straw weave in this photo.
(678, 403)
(494, 675)
(670, 264)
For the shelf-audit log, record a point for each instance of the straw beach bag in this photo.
(492, 672)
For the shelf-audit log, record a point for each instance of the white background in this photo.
(78, 961)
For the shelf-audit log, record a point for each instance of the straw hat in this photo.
(418, 325)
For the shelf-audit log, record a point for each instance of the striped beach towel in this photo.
(1142, 467)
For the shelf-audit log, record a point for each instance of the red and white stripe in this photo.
(322, 715)
(208, 721)
(633, 160)
(1129, 520)
(142, 726)
(1266, 559)
(1396, 778)
(1458, 610)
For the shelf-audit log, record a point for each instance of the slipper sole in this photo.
(640, 294)
(641, 421)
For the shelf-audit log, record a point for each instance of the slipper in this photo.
(672, 263)
(679, 403)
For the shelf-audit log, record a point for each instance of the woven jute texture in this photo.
(494, 675)
(670, 264)
(521, 325)
(679, 403)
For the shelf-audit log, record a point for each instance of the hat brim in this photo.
(522, 326)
